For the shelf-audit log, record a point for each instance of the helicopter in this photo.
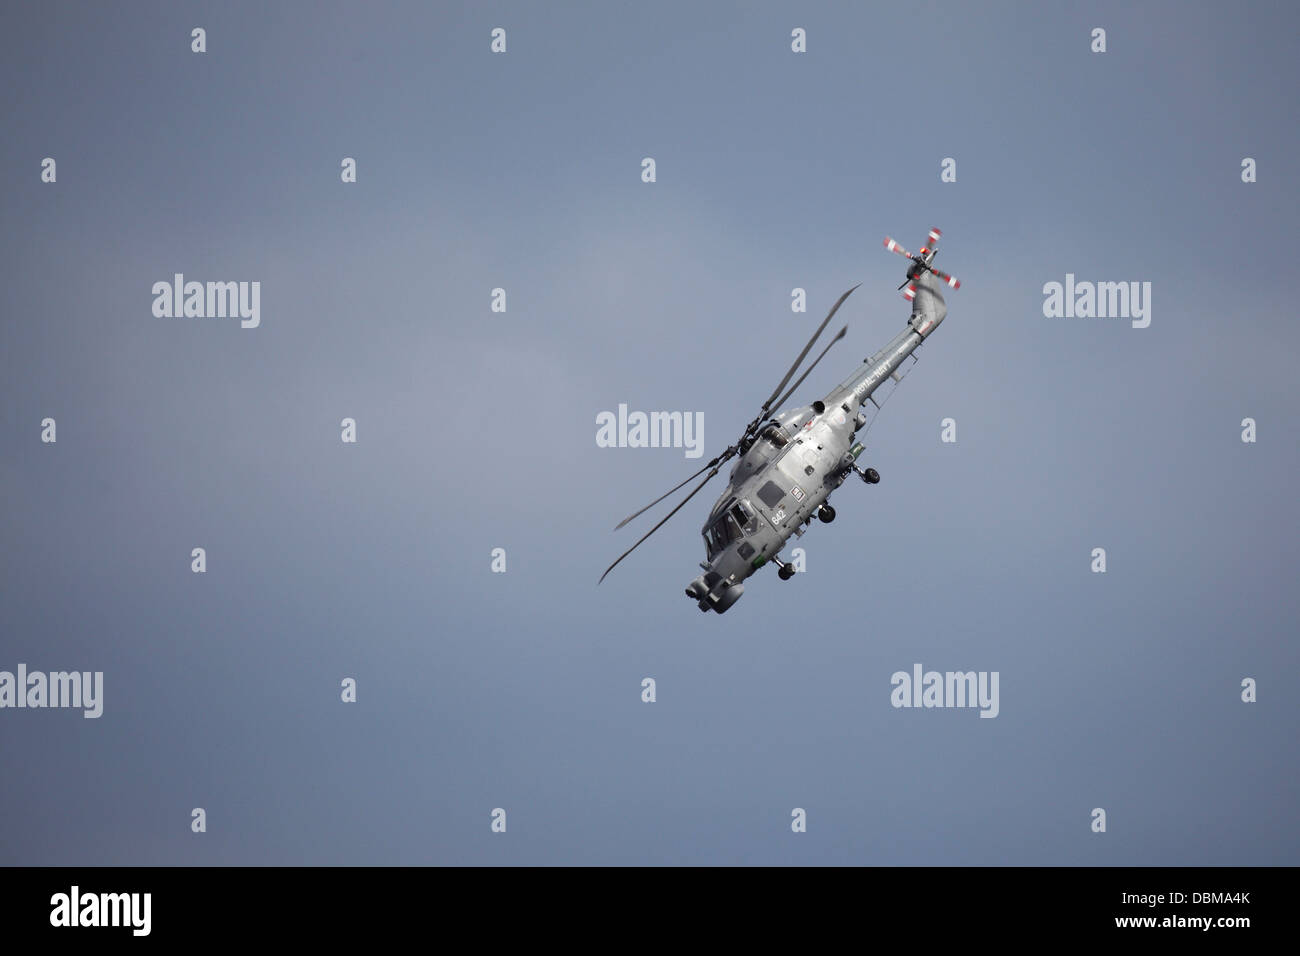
(791, 461)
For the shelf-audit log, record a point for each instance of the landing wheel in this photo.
(826, 513)
(871, 476)
(785, 572)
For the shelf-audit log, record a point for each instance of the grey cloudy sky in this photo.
(477, 430)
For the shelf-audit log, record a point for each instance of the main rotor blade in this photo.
(804, 354)
(709, 477)
(709, 465)
(791, 390)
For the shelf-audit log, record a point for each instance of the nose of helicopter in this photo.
(720, 586)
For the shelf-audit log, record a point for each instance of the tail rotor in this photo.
(922, 262)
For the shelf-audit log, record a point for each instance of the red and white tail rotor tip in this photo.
(893, 246)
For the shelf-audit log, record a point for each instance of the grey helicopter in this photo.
(791, 461)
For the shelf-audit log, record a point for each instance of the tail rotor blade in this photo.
(893, 246)
(944, 277)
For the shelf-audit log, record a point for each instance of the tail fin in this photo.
(928, 305)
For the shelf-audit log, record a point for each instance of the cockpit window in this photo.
(744, 516)
(732, 526)
(720, 534)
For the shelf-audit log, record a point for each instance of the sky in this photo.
(476, 430)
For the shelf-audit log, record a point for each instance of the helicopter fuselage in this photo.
(784, 478)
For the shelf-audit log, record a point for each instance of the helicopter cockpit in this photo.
(734, 523)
